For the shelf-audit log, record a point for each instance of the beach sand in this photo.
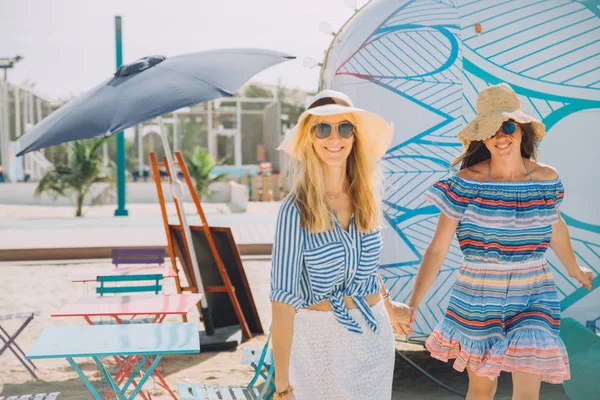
(46, 287)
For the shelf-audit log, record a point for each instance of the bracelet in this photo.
(386, 295)
(281, 395)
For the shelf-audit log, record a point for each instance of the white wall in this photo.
(139, 192)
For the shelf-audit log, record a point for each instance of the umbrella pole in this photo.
(177, 193)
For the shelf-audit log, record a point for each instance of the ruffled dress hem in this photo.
(530, 350)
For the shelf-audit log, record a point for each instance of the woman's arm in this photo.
(282, 331)
(399, 313)
(561, 244)
(433, 258)
(286, 295)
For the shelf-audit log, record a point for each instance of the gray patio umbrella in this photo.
(146, 89)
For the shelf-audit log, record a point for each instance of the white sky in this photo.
(69, 45)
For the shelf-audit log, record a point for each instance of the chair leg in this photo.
(267, 386)
(15, 343)
(9, 341)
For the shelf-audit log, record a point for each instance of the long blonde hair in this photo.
(316, 215)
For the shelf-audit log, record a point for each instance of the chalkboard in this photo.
(219, 303)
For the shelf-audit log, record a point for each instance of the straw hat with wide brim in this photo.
(496, 105)
(372, 130)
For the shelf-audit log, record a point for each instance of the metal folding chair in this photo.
(264, 367)
(39, 396)
(10, 341)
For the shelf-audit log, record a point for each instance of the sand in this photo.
(46, 287)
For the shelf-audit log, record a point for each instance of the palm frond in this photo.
(78, 174)
(200, 165)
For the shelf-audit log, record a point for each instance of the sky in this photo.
(69, 45)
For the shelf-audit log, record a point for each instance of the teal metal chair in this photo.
(131, 285)
(261, 360)
(154, 287)
(583, 347)
(264, 368)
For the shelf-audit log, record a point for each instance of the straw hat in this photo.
(496, 105)
(372, 129)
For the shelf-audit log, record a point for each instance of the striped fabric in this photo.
(502, 222)
(309, 268)
(504, 313)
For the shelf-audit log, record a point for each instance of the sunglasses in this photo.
(508, 128)
(344, 129)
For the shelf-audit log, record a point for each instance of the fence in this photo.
(20, 109)
(266, 187)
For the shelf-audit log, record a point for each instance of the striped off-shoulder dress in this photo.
(504, 312)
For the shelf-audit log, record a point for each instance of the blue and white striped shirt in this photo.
(309, 268)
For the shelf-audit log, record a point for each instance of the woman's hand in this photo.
(584, 276)
(400, 316)
(413, 314)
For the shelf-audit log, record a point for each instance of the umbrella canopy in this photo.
(148, 88)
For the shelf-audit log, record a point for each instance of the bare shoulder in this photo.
(541, 172)
(477, 172)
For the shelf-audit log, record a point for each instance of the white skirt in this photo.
(329, 362)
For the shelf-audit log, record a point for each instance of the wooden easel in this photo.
(192, 286)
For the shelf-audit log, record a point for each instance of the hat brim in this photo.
(486, 125)
(373, 130)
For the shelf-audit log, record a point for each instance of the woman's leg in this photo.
(526, 386)
(481, 387)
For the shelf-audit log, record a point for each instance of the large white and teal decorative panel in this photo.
(421, 64)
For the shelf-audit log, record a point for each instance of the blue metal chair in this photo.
(154, 287)
(264, 367)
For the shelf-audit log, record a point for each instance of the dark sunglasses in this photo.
(323, 130)
(508, 128)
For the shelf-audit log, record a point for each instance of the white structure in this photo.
(232, 109)
(421, 64)
(233, 106)
(20, 109)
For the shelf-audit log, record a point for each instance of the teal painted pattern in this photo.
(425, 58)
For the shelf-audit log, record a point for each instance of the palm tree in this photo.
(75, 177)
(200, 165)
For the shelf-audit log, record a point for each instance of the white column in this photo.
(26, 110)
(237, 143)
(211, 144)
(5, 134)
(140, 139)
(38, 107)
(18, 131)
(31, 113)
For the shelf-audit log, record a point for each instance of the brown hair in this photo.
(327, 100)
(477, 152)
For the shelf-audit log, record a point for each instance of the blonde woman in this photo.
(332, 335)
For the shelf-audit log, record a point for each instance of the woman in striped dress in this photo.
(331, 331)
(504, 313)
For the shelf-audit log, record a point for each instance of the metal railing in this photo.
(20, 109)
